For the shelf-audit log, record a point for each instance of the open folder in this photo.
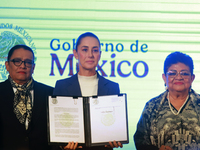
(90, 121)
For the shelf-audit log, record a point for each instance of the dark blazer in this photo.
(70, 87)
(13, 135)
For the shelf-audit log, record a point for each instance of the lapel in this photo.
(38, 101)
(74, 88)
(7, 90)
(102, 90)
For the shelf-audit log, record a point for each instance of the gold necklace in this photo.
(180, 108)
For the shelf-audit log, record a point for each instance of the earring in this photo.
(166, 87)
(190, 88)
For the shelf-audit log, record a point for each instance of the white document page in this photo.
(66, 120)
(108, 119)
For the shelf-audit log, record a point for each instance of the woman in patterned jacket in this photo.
(171, 121)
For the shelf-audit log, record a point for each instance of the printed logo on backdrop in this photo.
(11, 35)
(123, 68)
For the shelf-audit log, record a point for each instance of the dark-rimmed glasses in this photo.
(18, 62)
(173, 73)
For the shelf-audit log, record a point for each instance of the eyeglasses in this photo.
(183, 74)
(18, 62)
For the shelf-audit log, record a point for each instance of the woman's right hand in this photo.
(163, 147)
(71, 145)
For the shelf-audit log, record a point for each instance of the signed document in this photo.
(66, 120)
(108, 119)
(90, 121)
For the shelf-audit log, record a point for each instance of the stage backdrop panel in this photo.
(136, 36)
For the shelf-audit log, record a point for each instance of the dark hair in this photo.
(178, 57)
(18, 47)
(86, 34)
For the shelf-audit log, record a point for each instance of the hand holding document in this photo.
(90, 121)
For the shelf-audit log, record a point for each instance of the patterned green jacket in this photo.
(159, 126)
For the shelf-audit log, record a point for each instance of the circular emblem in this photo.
(95, 101)
(7, 41)
(66, 119)
(54, 101)
(10, 36)
(108, 118)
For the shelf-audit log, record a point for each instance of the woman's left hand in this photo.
(114, 144)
